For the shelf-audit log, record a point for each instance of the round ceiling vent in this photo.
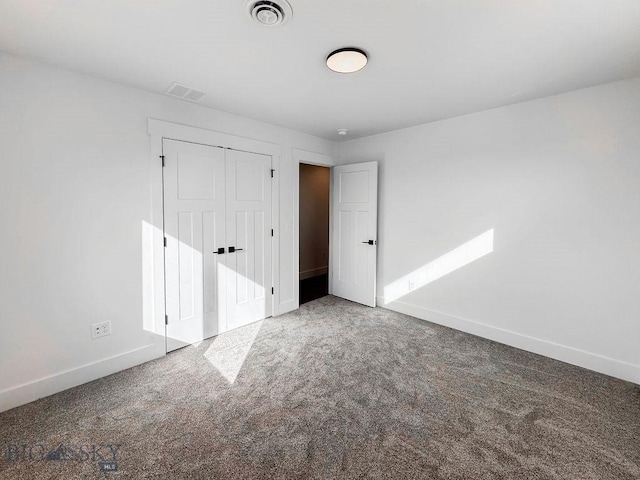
(270, 13)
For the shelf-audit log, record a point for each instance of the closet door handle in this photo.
(234, 249)
(220, 251)
(370, 242)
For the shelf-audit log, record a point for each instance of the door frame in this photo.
(153, 243)
(322, 160)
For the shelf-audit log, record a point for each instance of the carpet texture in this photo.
(334, 390)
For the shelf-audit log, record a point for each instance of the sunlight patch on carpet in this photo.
(228, 352)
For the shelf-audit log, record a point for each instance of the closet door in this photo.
(194, 222)
(217, 219)
(248, 232)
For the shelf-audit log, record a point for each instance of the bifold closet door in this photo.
(217, 220)
(248, 231)
(194, 222)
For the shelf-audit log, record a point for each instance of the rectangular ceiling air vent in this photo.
(186, 93)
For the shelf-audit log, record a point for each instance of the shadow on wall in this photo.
(449, 262)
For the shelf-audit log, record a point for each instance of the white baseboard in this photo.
(43, 387)
(314, 272)
(592, 361)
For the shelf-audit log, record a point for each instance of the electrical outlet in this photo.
(101, 329)
(411, 285)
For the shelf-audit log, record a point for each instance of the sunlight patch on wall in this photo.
(441, 266)
(152, 283)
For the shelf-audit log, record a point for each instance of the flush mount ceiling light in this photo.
(347, 60)
(270, 13)
(342, 132)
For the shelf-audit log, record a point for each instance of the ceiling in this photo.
(429, 59)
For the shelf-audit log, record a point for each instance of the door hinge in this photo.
(272, 232)
(162, 157)
(272, 291)
(165, 241)
(272, 170)
(166, 319)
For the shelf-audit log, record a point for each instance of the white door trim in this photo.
(311, 158)
(153, 289)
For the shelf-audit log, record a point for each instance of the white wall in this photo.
(75, 196)
(314, 220)
(558, 179)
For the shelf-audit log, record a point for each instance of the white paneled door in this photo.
(217, 220)
(354, 238)
(248, 231)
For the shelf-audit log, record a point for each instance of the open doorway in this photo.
(314, 232)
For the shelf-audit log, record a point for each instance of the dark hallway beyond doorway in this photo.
(314, 232)
(313, 288)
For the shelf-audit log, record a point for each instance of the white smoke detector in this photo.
(270, 13)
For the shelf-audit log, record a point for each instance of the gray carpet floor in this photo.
(334, 390)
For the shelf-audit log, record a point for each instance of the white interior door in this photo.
(354, 238)
(217, 214)
(248, 229)
(194, 216)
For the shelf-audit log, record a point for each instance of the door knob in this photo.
(370, 242)
(220, 251)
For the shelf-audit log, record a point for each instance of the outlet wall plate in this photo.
(101, 329)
